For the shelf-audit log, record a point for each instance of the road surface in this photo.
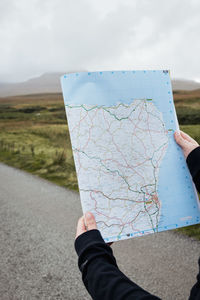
(37, 257)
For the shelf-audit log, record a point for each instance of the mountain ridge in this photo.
(50, 83)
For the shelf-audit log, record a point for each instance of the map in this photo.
(125, 154)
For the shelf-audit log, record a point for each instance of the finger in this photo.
(80, 227)
(180, 140)
(90, 221)
(187, 137)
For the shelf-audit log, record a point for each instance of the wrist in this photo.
(87, 239)
(193, 161)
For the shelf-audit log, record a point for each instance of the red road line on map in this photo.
(125, 159)
(103, 112)
(163, 148)
(152, 130)
(128, 166)
(149, 131)
(112, 199)
(78, 125)
(118, 164)
(99, 213)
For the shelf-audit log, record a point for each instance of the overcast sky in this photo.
(38, 36)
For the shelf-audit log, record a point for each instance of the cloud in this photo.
(66, 35)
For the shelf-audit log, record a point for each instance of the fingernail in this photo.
(88, 215)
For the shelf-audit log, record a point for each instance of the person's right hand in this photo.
(185, 142)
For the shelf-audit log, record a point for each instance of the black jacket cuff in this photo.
(90, 246)
(87, 239)
(193, 162)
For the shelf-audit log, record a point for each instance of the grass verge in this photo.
(34, 136)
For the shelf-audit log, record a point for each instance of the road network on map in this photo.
(118, 151)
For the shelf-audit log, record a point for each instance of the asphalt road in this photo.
(37, 257)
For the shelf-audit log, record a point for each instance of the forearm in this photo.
(100, 273)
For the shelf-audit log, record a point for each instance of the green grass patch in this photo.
(192, 130)
(41, 150)
(191, 231)
(34, 136)
(188, 115)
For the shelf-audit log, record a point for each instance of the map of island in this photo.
(131, 173)
(118, 151)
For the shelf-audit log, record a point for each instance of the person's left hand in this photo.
(85, 223)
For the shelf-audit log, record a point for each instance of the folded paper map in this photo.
(131, 173)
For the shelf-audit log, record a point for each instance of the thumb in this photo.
(179, 139)
(90, 221)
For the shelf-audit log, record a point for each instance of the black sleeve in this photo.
(100, 273)
(193, 162)
(195, 291)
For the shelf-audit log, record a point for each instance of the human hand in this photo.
(185, 142)
(85, 223)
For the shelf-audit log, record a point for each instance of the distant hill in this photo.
(187, 85)
(46, 83)
(50, 83)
